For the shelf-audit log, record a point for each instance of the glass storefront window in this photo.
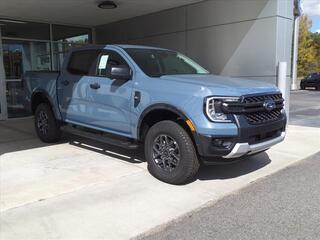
(65, 38)
(27, 46)
(68, 34)
(19, 57)
(24, 30)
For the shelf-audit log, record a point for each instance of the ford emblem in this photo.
(269, 105)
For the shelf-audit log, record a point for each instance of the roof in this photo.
(137, 46)
(124, 46)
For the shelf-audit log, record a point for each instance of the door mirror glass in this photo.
(119, 72)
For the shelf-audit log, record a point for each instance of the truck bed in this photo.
(40, 81)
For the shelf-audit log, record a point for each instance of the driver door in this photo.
(110, 99)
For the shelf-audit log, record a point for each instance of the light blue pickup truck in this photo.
(134, 95)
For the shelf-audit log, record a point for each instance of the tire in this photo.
(46, 125)
(177, 164)
(302, 87)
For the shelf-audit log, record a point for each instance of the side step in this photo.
(100, 136)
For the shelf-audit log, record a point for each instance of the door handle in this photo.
(65, 82)
(95, 85)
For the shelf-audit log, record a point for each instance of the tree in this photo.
(306, 53)
(316, 43)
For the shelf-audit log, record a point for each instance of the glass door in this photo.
(20, 56)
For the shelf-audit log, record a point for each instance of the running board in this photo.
(101, 136)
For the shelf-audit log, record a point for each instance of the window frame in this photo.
(110, 52)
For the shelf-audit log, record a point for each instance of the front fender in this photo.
(159, 106)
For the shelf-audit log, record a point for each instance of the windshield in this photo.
(156, 63)
(313, 75)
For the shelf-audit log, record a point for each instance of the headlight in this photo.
(214, 111)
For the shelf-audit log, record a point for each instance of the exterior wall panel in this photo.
(211, 13)
(238, 50)
(176, 41)
(236, 38)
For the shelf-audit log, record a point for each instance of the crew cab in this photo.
(133, 96)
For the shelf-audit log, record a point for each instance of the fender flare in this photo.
(47, 96)
(159, 106)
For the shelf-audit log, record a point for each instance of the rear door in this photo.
(72, 86)
(110, 99)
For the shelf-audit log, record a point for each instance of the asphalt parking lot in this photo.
(80, 189)
(282, 206)
(305, 108)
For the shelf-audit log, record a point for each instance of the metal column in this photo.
(3, 99)
(294, 84)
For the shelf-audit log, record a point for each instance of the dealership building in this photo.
(237, 38)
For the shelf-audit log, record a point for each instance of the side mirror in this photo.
(120, 72)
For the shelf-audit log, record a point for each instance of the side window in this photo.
(81, 62)
(106, 60)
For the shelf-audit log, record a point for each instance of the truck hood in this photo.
(224, 86)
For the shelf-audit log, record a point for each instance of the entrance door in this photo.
(20, 56)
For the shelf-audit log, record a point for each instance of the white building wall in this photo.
(239, 38)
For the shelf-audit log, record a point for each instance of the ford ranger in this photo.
(133, 96)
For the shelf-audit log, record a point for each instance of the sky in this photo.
(312, 9)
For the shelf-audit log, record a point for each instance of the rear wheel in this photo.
(170, 153)
(46, 125)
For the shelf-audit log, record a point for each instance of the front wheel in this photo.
(170, 153)
(46, 125)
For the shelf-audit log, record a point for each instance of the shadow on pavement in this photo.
(19, 135)
(210, 172)
(232, 170)
(131, 156)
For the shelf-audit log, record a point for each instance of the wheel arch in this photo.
(162, 112)
(41, 96)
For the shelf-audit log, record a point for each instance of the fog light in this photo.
(107, 5)
(222, 143)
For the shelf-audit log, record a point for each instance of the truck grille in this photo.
(262, 117)
(262, 98)
(252, 107)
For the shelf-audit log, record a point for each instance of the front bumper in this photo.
(241, 149)
(250, 139)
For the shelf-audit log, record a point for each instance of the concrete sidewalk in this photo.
(82, 190)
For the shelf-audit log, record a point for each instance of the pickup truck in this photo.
(133, 96)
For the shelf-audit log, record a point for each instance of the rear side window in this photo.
(82, 62)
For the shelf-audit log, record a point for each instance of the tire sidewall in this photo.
(53, 134)
(186, 148)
